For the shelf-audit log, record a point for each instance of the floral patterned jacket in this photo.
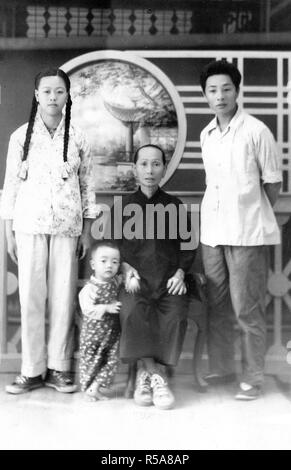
(45, 202)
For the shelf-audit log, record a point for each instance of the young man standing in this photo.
(243, 179)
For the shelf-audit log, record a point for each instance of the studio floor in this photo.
(46, 419)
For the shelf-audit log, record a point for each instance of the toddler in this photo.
(100, 330)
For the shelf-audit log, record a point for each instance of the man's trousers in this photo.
(241, 274)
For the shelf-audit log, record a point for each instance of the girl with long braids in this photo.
(48, 203)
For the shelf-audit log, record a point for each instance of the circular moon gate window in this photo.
(121, 102)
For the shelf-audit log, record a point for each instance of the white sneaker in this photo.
(143, 392)
(162, 395)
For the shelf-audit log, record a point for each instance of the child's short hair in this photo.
(153, 146)
(103, 243)
(220, 67)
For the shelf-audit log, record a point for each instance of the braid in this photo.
(29, 130)
(67, 127)
(23, 170)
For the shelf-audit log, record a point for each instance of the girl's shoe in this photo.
(143, 393)
(60, 381)
(23, 384)
(163, 398)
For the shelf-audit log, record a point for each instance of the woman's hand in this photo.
(83, 246)
(131, 278)
(84, 240)
(11, 242)
(175, 284)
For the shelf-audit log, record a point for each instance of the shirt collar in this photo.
(42, 127)
(236, 119)
(96, 282)
(144, 199)
(233, 124)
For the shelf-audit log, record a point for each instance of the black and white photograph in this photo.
(145, 230)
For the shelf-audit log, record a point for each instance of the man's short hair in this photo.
(220, 67)
(153, 146)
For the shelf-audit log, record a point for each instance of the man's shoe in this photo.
(23, 384)
(248, 392)
(60, 381)
(162, 395)
(215, 379)
(143, 393)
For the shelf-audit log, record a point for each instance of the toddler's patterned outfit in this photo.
(99, 341)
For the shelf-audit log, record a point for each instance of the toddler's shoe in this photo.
(248, 392)
(143, 393)
(162, 395)
(94, 393)
(60, 381)
(23, 384)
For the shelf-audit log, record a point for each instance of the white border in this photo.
(95, 56)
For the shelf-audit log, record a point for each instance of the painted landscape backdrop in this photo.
(121, 106)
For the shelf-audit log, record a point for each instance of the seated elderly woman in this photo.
(156, 250)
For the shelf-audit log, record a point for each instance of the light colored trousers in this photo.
(47, 268)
